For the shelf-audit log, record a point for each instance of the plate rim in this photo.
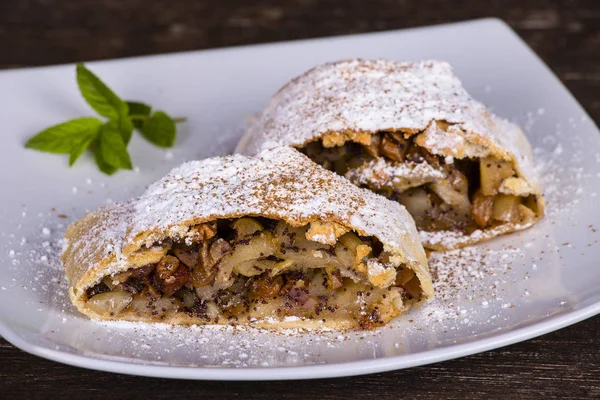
(312, 371)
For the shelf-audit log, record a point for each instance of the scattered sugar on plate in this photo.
(477, 288)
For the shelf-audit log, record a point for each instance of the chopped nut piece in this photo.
(119, 278)
(201, 278)
(325, 232)
(110, 283)
(218, 249)
(202, 231)
(170, 276)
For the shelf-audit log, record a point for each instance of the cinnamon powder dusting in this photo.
(368, 96)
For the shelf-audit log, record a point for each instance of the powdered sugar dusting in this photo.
(367, 96)
(381, 95)
(475, 273)
(281, 183)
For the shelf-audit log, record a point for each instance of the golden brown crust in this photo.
(92, 244)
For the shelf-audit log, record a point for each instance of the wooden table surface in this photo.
(566, 34)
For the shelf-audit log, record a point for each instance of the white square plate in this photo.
(511, 289)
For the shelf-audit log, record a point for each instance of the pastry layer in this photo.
(412, 133)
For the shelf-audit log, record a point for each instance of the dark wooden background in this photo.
(566, 34)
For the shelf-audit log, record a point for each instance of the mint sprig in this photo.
(107, 140)
(99, 96)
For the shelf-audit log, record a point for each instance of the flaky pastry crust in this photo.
(279, 184)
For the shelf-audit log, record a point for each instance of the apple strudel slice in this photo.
(410, 132)
(271, 241)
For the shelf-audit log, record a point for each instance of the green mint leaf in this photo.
(64, 138)
(98, 95)
(159, 129)
(112, 148)
(126, 126)
(78, 150)
(102, 165)
(138, 109)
